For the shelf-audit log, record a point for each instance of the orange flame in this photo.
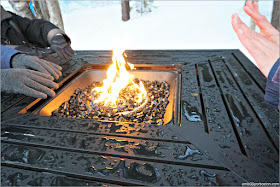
(117, 79)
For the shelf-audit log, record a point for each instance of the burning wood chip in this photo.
(81, 104)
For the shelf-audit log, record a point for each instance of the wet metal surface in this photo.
(109, 145)
(99, 167)
(222, 97)
(21, 177)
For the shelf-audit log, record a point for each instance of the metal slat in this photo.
(140, 131)
(176, 153)
(255, 141)
(21, 177)
(239, 164)
(216, 114)
(158, 57)
(251, 69)
(111, 169)
(268, 115)
(5, 96)
(11, 101)
(12, 112)
(191, 102)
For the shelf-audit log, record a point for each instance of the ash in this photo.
(81, 105)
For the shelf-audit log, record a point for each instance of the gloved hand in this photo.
(61, 47)
(40, 54)
(24, 61)
(49, 57)
(28, 82)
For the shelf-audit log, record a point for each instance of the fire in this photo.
(118, 78)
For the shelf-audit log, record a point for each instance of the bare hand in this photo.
(261, 21)
(264, 46)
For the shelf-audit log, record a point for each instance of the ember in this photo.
(82, 105)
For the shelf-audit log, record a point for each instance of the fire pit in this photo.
(152, 96)
(150, 110)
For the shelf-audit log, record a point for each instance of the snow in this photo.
(97, 25)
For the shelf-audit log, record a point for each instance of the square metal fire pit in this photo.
(90, 73)
(235, 141)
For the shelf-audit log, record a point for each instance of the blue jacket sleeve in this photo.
(276, 76)
(272, 86)
(6, 55)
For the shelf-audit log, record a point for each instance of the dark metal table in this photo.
(228, 135)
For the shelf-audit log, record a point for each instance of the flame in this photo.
(118, 78)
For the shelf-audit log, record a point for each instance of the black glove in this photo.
(61, 47)
(24, 61)
(28, 82)
(40, 54)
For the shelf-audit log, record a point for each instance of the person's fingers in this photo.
(255, 37)
(243, 34)
(236, 25)
(234, 22)
(33, 64)
(52, 70)
(256, 6)
(39, 87)
(259, 19)
(262, 22)
(56, 69)
(60, 54)
(69, 52)
(51, 58)
(70, 49)
(247, 29)
(249, 4)
(248, 43)
(32, 93)
(44, 81)
(47, 65)
(50, 65)
(258, 47)
(46, 76)
(55, 66)
(239, 24)
(264, 25)
(67, 57)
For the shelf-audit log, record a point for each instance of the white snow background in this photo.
(97, 25)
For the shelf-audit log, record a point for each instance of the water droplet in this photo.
(194, 176)
(211, 178)
(135, 171)
(196, 158)
(189, 152)
(223, 146)
(145, 150)
(191, 113)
